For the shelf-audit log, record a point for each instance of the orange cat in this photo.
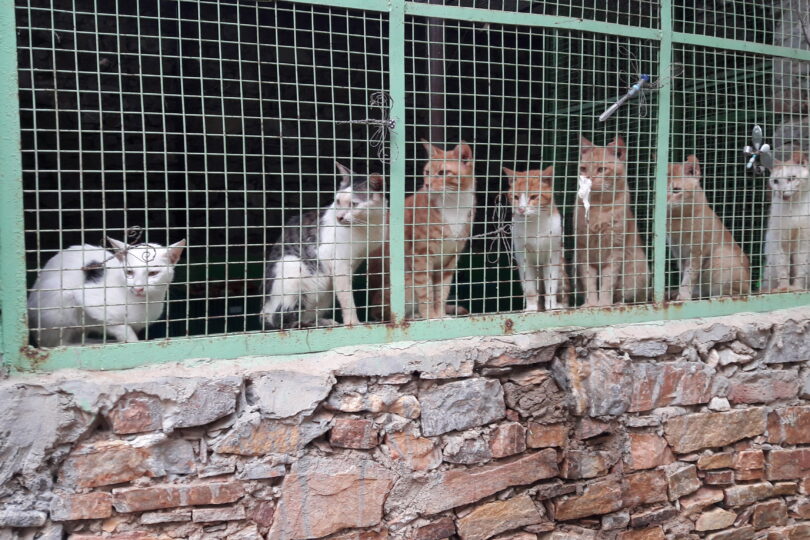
(537, 239)
(710, 261)
(438, 221)
(610, 259)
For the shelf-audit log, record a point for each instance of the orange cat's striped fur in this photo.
(438, 222)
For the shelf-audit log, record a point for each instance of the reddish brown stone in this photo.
(654, 516)
(579, 464)
(457, 487)
(589, 428)
(644, 487)
(547, 435)
(719, 460)
(507, 440)
(747, 476)
(438, 530)
(226, 513)
(597, 385)
(418, 453)
(104, 463)
(749, 459)
(804, 486)
(784, 488)
(69, 507)
(769, 514)
(598, 498)
(719, 478)
(748, 493)
(692, 432)
(788, 464)
(136, 413)
(264, 437)
(701, 499)
(661, 385)
(763, 386)
(262, 514)
(790, 425)
(133, 535)
(737, 533)
(357, 433)
(170, 496)
(362, 535)
(487, 520)
(647, 451)
(798, 532)
(682, 480)
(653, 533)
(321, 496)
(715, 519)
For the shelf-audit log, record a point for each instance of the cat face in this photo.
(604, 165)
(530, 191)
(683, 182)
(148, 268)
(450, 171)
(790, 177)
(359, 199)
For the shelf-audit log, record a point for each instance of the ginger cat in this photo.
(710, 261)
(438, 221)
(787, 241)
(610, 259)
(537, 238)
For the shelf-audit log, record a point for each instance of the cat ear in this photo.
(176, 250)
(584, 144)
(511, 174)
(376, 182)
(548, 171)
(618, 147)
(432, 151)
(691, 166)
(464, 152)
(347, 175)
(120, 248)
(799, 158)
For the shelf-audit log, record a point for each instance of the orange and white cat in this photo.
(438, 222)
(610, 259)
(787, 241)
(710, 261)
(537, 238)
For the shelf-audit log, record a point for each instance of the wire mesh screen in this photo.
(210, 168)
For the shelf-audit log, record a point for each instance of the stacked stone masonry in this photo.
(679, 430)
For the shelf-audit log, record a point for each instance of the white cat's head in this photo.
(790, 177)
(359, 199)
(148, 268)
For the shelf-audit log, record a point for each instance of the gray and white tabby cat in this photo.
(87, 288)
(787, 240)
(318, 253)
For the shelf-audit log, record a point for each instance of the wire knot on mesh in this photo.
(133, 239)
(383, 101)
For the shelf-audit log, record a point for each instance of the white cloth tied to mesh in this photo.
(584, 193)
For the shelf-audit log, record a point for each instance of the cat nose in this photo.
(521, 210)
(138, 290)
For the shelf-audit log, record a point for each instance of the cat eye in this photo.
(600, 170)
(130, 273)
(442, 172)
(153, 273)
(533, 197)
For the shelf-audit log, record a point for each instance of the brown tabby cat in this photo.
(610, 259)
(710, 261)
(438, 221)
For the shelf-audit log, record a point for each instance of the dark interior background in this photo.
(216, 121)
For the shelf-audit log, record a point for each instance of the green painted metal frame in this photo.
(13, 331)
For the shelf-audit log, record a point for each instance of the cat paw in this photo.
(531, 309)
(453, 309)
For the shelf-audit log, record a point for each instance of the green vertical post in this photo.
(396, 84)
(12, 241)
(662, 157)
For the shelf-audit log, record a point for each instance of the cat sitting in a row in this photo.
(87, 288)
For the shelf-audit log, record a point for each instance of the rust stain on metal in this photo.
(36, 356)
(508, 326)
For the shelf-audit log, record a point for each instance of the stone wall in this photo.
(693, 429)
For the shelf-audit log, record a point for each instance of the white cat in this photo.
(537, 238)
(787, 240)
(87, 288)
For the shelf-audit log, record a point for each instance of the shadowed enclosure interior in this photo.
(218, 121)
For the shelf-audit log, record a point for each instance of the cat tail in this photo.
(285, 293)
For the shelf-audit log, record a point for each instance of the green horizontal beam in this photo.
(130, 355)
(519, 18)
(763, 49)
(368, 5)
